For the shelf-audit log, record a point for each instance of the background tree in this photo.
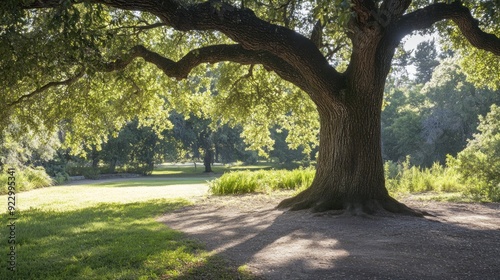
(196, 137)
(19, 147)
(136, 147)
(289, 157)
(94, 45)
(428, 122)
(425, 60)
(229, 146)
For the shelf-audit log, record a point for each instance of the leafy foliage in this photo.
(479, 162)
(22, 147)
(478, 65)
(428, 121)
(83, 38)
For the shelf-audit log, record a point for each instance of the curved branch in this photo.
(210, 54)
(394, 8)
(45, 87)
(181, 69)
(461, 15)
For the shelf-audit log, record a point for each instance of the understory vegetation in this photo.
(402, 179)
(27, 179)
(449, 182)
(240, 182)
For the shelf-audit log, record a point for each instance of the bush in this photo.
(480, 174)
(90, 173)
(240, 182)
(479, 163)
(27, 178)
(61, 178)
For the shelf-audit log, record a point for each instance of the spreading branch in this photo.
(210, 54)
(393, 9)
(243, 27)
(47, 86)
(459, 14)
(181, 69)
(142, 27)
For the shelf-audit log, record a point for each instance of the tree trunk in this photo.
(95, 158)
(207, 160)
(350, 172)
(112, 165)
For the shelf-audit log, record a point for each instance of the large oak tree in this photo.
(78, 42)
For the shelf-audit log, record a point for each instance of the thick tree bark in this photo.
(350, 172)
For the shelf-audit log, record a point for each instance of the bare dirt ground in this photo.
(462, 241)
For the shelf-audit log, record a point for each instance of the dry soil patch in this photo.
(462, 241)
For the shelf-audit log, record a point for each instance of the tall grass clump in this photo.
(241, 182)
(404, 178)
(26, 178)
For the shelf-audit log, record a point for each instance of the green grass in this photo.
(154, 181)
(239, 182)
(106, 232)
(181, 170)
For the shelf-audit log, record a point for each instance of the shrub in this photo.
(27, 178)
(61, 178)
(240, 182)
(90, 173)
(479, 163)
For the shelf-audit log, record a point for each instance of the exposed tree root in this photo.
(355, 208)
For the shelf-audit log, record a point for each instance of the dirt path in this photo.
(461, 242)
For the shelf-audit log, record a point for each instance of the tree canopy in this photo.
(77, 60)
(89, 66)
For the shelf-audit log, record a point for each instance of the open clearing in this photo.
(462, 241)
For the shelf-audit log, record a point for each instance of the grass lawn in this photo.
(188, 169)
(106, 231)
(155, 181)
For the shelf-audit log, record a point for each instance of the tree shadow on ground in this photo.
(300, 245)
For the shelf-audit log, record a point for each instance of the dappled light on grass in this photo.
(65, 198)
(81, 232)
(107, 241)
